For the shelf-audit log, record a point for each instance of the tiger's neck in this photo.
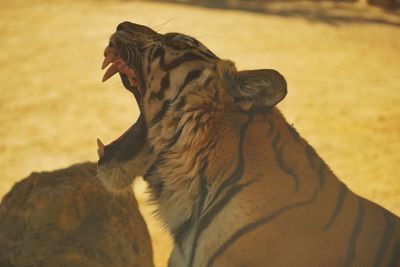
(261, 153)
(264, 147)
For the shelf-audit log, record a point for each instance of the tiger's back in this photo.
(287, 209)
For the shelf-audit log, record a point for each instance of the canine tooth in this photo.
(100, 150)
(109, 56)
(110, 72)
(107, 60)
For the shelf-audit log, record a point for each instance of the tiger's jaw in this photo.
(130, 154)
(131, 141)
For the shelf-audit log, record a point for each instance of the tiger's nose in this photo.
(123, 26)
(134, 28)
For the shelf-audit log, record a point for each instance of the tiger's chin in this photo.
(118, 176)
(129, 156)
(115, 179)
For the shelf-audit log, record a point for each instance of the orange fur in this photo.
(234, 183)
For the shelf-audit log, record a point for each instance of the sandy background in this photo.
(342, 64)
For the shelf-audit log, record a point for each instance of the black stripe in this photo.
(311, 155)
(192, 75)
(271, 128)
(196, 127)
(294, 133)
(351, 249)
(206, 54)
(195, 41)
(279, 158)
(177, 44)
(395, 260)
(179, 232)
(321, 175)
(238, 172)
(176, 136)
(150, 59)
(157, 186)
(188, 43)
(140, 77)
(159, 53)
(203, 190)
(151, 170)
(181, 103)
(230, 181)
(211, 53)
(254, 225)
(209, 216)
(187, 57)
(208, 81)
(338, 207)
(232, 192)
(159, 115)
(164, 85)
(198, 209)
(387, 236)
(313, 158)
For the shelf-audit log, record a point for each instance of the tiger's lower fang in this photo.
(132, 81)
(100, 149)
(111, 71)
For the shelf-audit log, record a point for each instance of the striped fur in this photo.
(235, 184)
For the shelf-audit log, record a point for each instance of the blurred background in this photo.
(341, 60)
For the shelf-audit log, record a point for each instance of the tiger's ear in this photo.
(253, 90)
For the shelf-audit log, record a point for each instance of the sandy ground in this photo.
(342, 68)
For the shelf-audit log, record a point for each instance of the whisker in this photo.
(160, 26)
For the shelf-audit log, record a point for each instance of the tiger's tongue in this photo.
(124, 147)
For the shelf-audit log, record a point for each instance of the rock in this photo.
(66, 218)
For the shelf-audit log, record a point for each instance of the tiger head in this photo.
(184, 93)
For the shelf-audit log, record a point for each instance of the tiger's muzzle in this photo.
(123, 55)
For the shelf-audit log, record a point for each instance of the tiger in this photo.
(234, 183)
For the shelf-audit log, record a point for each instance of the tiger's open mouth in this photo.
(131, 141)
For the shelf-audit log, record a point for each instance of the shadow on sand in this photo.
(331, 12)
